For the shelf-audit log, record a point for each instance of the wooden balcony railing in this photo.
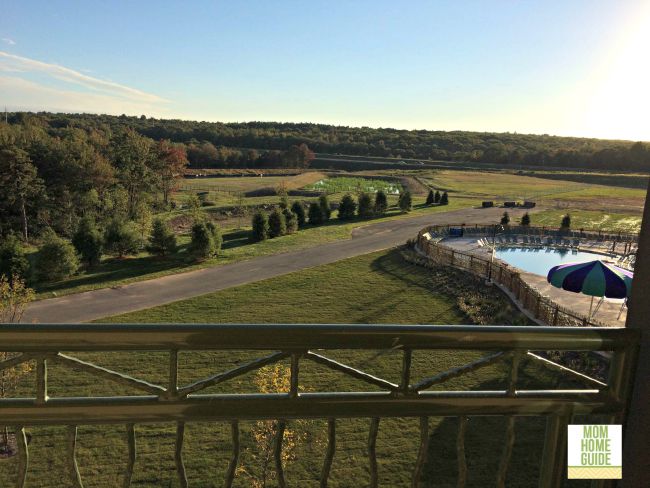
(183, 403)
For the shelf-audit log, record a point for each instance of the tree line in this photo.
(508, 149)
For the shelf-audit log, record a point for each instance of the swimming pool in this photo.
(540, 260)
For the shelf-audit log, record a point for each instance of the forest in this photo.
(216, 144)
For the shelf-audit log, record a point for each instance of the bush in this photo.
(444, 199)
(260, 230)
(381, 203)
(566, 222)
(88, 242)
(505, 219)
(121, 238)
(315, 214)
(162, 240)
(13, 263)
(430, 198)
(347, 207)
(277, 224)
(215, 231)
(437, 197)
(525, 220)
(325, 208)
(202, 245)
(405, 201)
(365, 208)
(284, 202)
(298, 209)
(291, 221)
(56, 259)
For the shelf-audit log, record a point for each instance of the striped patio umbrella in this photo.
(595, 278)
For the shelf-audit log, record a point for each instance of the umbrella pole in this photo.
(623, 305)
(591, 306)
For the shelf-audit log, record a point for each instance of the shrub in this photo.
(277, 224)
(444, 199)
(202, 245)
(162, 240)
(525, 220)
(405, 201)
(315, 214)
(325, 208)
(260, 227)
(284, 202)
(566, 222)
(217, 238)
(56, 259)
(13, 263)
(88, 242)
(505, 219)
(298, 209)
(430, 198)
(381, 203)
(291, 221)
(365, 208)
(437, 197)
(121, 238)
(347, 207)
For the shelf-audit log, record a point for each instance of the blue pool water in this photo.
(541, 260)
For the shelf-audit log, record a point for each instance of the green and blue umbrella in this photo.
(596, 278)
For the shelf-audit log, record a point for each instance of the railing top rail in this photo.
(116, 337)
(595, 232)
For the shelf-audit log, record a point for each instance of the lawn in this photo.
(586, 219)
(375, 288)
(236, 247)
(342, 184)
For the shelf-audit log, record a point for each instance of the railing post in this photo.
(553, 465)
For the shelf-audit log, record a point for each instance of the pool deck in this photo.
(577, 302)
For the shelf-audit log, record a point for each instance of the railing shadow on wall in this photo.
(539, 306)
(179, 403)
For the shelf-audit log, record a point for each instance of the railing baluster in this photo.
(553, 465)
(372, 452)
(329, 455)
(406, 370)
(460, 452)
(514, 373)
(130, 438)
(504, 464)
(73, 467)
(23, 456)
(423, 451)
(277, 453)
(178, 454)
(41, 381)
(172, 387)
(232, 467)
(295, 368)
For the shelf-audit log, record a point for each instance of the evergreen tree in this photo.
(430, 198)
(13, 262)
(121, 238)
(437, 197)
(88, 241)
(325, 208)
(260, 226)
(381, 203)
(291, 221)
(365, 207)
(217, 238)
(277, 224)
(298, 209)
(405, 201)
(525, 220)
(505, 219)
(284, 202)
(56, 259)
(347, 207)
(315, 214)
(444, 199)
(202, 243)
(566, 222)
(162, 240)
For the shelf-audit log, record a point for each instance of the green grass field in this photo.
(375, 288)
(342, 184)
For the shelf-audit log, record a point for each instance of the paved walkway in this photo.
(93, 305)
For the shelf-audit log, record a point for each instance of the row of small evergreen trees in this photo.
(437, 198)
(285, 220)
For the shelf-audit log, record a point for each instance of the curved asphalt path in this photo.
(93, 305)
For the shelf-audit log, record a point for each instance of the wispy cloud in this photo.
(13, 63)
(9, 41)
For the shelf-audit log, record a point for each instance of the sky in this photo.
(576, 67)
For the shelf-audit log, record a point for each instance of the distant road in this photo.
(93, 305)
